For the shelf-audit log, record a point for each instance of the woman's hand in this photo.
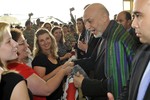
(67, 70)
(68, 64)
(67, 55)
(82, 46)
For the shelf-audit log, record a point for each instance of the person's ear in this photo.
(105, 18)
(129, 22)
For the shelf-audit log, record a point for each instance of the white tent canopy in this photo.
(10, 19)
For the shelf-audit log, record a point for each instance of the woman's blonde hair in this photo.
(37, 49)
(3, 27)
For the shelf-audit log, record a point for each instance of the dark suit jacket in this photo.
(96, 89)
(91, 45)
(140, 63)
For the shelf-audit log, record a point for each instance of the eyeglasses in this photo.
(24, 42)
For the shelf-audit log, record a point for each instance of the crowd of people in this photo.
(35, 60)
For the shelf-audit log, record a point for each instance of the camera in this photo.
(72, 9)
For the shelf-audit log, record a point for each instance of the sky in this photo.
(43, 9)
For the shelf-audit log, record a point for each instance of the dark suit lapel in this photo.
(138, 71)
(91, 38)
(102, 49)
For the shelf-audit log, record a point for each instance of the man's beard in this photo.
(98, 35)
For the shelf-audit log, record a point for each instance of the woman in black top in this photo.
(46, 60)
(10, 83)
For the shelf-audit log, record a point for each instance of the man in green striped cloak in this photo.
(112, 59)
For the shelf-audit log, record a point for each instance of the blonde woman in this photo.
(12, 85)
(46, 61)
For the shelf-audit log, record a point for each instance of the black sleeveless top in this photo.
(7, 84)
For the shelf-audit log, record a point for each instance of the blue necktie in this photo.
(144, 83)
